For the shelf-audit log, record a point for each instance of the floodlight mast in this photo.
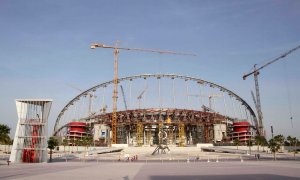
(115, 80)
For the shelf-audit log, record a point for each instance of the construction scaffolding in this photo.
(149, 137)
(198, 115)
(30, 142)
(154, 126)
(139, 133)
(181, 134)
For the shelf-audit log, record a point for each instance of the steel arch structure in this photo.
(158, 76)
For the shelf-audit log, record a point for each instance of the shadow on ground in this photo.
(231, 177)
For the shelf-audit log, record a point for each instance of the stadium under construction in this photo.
(161, 108)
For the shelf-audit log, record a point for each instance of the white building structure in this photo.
(101, 131)
(219, 132)
(30, 141)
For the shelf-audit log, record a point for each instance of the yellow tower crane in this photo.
(116, 49)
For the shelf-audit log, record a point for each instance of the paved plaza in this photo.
(153, 170)
(179, 163)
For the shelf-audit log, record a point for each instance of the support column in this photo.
(139, 133)
(181, 134)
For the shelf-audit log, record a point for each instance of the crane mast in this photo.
(258, 104)
(90, 98)
(210, 97)
(115, 98)
(141, 96)
(255, 73)
(124, 98)
(115, 80)
(254, 99)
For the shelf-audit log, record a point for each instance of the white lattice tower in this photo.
(30, 141)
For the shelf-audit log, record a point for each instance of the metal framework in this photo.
(139, 132)
(186, 126)
(58, 127)
(30, 142)
(115, 92)
(183, 122)
(181, 134)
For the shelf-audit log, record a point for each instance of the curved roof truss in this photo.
(171, 76)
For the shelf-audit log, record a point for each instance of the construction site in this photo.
(160, 109)
(157, 109)
(146, 110)
(149, 90)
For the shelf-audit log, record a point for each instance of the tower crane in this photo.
(210, 97)
(116, 49)
(124, 98)
(141, 96)
(91, 96)
(255, 73)
(254, 99)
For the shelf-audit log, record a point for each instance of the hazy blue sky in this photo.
(45, 46)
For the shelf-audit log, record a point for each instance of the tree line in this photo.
(275, 144)
(84, 141)
(4, 135)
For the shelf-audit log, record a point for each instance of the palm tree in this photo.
(84, 142)
(274, 146)
(289, 140)
(237, 143)
(87, 141)
(52, 143)
(78, 142)
(280, 140)
(259, 140)
(4, 134)
(65, 143)
(249, 144)
(293, 141)
(265, 143)
(4, 137)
